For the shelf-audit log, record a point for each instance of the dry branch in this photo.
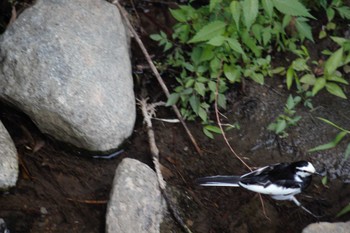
(156, 73)
(148, 112)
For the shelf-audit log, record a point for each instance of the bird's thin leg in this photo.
(300, 205)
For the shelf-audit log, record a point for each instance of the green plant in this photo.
(331, 8)
(343, 132)
(344, 211)
(287, 119)
(232, 38)
(208, 130)
(300, 73)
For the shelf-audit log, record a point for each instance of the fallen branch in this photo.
(156, 73)
(148, 112)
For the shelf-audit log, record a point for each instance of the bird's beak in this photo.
(320, 173)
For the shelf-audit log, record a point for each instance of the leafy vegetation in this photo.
(235, 39)
(344, 211)
(208, 44)
(332, 8)
(343, 132)
(287, 119)
(327, 75)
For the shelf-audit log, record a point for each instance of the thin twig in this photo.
(156, 73)
(148, 112)
(217, 113)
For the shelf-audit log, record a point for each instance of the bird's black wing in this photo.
(266, 175)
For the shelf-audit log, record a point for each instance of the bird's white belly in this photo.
(272, 190)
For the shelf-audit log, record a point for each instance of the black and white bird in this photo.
(282, 181)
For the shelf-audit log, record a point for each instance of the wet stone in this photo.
(8, 160)
(136, 203)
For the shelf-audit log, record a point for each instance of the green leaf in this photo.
(266, 35)
(281, 126)
(173, 98)
(213, 128)
(167, 46)
(217, 40)
(257, 77)
(278, 70)
(300, 64)
(303, 28)
(235, 8)
(290, 77)
(347, 152)
(294, 120)
(324, 180)
(334, 61)
(322, 34)
(202, 114)
(319, 85)
(222, 101)
(215, 64)
(156, 37)
(344, 12)
(291, 7)
(179, 15)
(213, 4)
(207, 53)
(250, 11)
(331, 144)
(286, 20)
(207, 133)
(339, 40)
(334, 89)
(200, 88)
(212, 86)
(232, 73)
(235, 45)
(251, 43)
(290, 102)
(195, 55)
(268, 7)
(338, 79)
(189, 83)
(332, 124)
(330, 14)
(209, 31)
(345, 210)
(309, 79)
(194, 102)
(257, 30)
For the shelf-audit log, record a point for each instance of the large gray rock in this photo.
(8, 160)
(326, 227)
(136, 203)
(66, 64)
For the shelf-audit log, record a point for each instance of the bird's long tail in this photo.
(231, 181)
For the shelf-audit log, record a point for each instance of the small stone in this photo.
(43, 211)
(8, 160)
(136, 203)
(326, 227)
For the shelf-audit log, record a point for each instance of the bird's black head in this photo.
(304, 168)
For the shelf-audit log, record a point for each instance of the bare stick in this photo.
(217, 113)
(219, 122)
(148, 111)
(156, 73)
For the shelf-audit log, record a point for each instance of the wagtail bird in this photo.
(282, 181)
